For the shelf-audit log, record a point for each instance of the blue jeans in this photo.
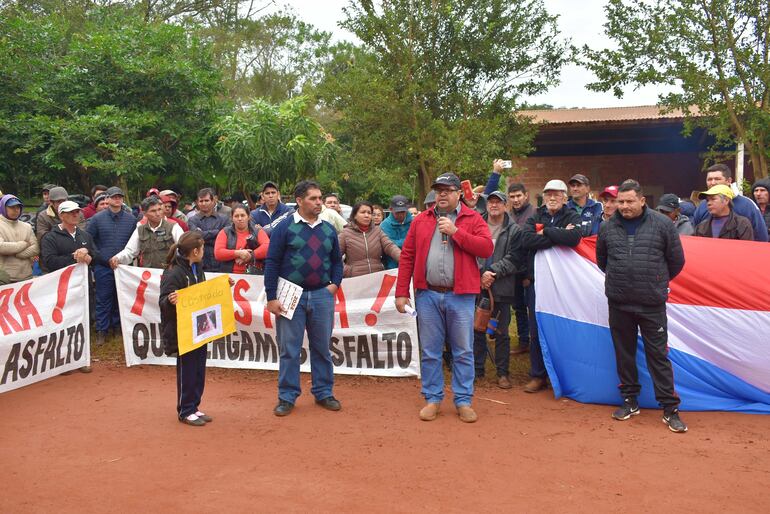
(107, 312)
(446, 317)
(536, 363)
(315, 313)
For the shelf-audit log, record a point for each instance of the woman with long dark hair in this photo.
(363, 243)
(241, 247)
(184, 269)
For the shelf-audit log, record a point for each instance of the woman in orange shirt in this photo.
(241, 247)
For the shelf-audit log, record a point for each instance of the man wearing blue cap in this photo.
(18, 244)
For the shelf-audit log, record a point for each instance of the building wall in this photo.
(678, 173)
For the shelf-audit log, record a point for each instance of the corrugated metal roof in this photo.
(603, 114)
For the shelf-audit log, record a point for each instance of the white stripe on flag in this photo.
(572, 287)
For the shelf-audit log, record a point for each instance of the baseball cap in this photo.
(610, 191)
(579, 177)
(430, 197)
(669, 202)
(168, 199)
(167, 192)
(114, 191)
(269, 183)
(719, 189)
(57, 193)
(399, 204)
(68, 206)
(555, 185)
(499, 195)
(13, 201)
(47, 187)
(152, 191)
(447, 179)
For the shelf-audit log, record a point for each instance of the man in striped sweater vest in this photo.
(305, 250)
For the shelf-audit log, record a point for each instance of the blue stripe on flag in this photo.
(581, 365)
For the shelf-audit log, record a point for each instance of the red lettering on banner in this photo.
(266, 318)
(139, 300)
(61, 295)
(5, 313)
(339, 307)
(242, 302)
(24, 307)
(385, 287)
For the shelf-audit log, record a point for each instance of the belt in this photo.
(440, 289)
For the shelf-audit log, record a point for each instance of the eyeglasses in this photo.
(445, 191)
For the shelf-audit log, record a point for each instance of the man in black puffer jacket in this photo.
(552, 224)
(640, 252)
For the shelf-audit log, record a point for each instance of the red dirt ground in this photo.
(110, 441)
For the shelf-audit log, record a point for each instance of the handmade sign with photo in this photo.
(204, 313)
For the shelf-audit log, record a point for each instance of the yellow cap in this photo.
(719, 189)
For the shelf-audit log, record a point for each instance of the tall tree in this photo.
(436, 83)
(120, 99)
(265, 141)
(714, 54)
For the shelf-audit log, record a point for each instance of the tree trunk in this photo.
(424, 181)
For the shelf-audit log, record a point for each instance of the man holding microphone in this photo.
(440, 253)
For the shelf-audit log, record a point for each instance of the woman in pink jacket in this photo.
(363, 244)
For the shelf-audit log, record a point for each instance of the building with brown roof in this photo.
(609, 145)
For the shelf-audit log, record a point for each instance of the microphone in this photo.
(444, 237)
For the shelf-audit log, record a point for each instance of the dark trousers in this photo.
(536, 362)
(502, 312)
(520, 306)
(107, 312)
(190, 379)
(654, 328)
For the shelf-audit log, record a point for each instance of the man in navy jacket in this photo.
(110, 229)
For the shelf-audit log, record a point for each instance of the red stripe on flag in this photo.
(717, 273)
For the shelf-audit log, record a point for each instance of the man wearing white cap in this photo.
(67, 244)
(554, 223)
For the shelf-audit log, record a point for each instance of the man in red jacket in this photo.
(440, 253)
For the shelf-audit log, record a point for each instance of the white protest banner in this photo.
(369, 338)
(44, 327)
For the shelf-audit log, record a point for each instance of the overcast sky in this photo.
(579, 20)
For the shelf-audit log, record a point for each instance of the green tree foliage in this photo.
(119, 98)
(272, 142)
(436, 82)
(714, 55)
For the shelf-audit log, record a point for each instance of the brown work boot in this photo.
(534, 385)
(504, 382)
(467, 414)
(429, 412)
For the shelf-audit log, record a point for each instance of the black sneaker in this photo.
(629, 408)
(674, 423)
(283, 408)
(330, 403)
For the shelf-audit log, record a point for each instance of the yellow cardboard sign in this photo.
(204, 312)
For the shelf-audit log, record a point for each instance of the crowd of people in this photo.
(461, 251)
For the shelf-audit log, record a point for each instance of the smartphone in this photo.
(507, 165)
(465, 185)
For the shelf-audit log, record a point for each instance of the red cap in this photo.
(610, 191)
